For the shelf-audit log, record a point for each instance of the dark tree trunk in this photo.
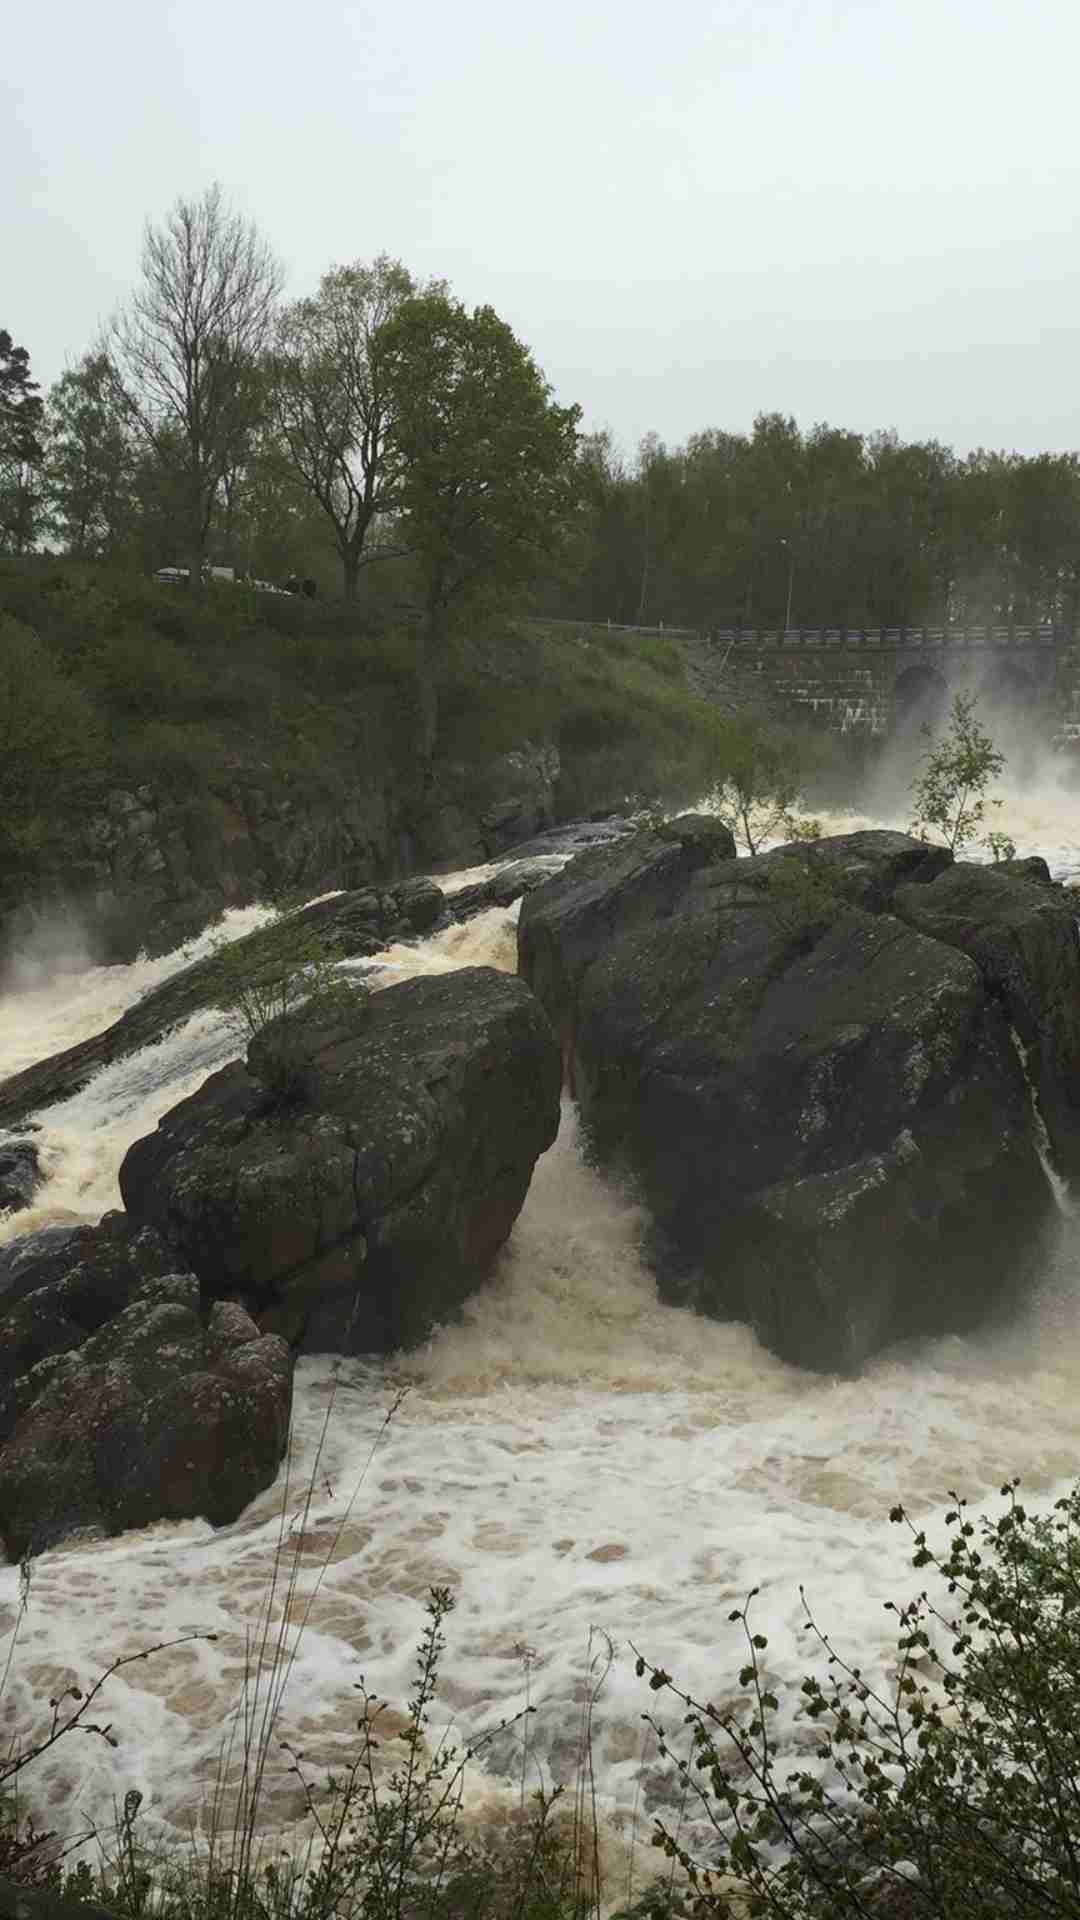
(430, 645)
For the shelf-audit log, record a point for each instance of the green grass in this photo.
(144, 685)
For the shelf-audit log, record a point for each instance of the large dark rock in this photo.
(357, 1216)
(602, 893)
(501, 889)
(165, 1414)
(822, 1107)
(867, 867)
(1020, 930)
(20, 1174)
(61, 1285)
(32, 1260)
(124, 1398)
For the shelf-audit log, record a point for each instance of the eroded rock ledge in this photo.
(356, 1217)
(821, 1102)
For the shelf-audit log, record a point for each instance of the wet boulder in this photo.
(500, 889)
(357, 1214)
(1020, 930)
(20, 1174)
(866, 868)
(124, 1398)
(168, 1412)
(822, 1107)
(62, 1284)
(601, 894)
(420, 903)
(346, 925)
(33, 1258)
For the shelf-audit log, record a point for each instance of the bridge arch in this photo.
(920, 693)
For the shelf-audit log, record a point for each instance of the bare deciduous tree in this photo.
(186, 348)
(332, 405)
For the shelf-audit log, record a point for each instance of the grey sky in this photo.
(863, 211)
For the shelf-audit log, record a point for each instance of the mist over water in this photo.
(572, 1457)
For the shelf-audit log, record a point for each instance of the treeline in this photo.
(376, 420)
(823, 528)
(378, 430)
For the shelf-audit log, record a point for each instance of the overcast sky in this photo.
(860, 211)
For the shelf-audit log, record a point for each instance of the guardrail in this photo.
(1046, 635)
(922, 637)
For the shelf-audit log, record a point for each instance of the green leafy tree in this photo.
(333, 408)
(760, 793)
(21, 405)
(91, 462)
(272, 525)
(950, 793)
(21, 452)
(489, 469)
(186, 349)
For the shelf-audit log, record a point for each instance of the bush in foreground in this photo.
(953, 1794)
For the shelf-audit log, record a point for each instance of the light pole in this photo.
(790, 581)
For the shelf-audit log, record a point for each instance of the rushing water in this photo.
(574, 1460)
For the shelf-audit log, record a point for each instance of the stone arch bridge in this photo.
(870, 681)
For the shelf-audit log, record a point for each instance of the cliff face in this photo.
(145, 870)
(161, 758)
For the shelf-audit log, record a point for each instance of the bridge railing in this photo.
(928, 637)
(1046, 635)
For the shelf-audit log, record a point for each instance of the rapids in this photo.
(577, 1462)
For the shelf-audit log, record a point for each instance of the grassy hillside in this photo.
(110, 680)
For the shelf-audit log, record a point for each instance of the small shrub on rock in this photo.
(263, 997)
(760, 791)
(950, 793)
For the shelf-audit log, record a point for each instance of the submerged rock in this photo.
(822, 1106)
(123, 1398)
(516, 878)
(357, 1215)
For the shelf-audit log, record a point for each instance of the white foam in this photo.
(59, 1008)
(1040, 815)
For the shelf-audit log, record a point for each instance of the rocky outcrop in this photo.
(62, 1284)
(147, 869)
(20, 1174)
(867, 868)
(124, 1397)
(356, 1216)
(516, 878)
(1020, 930)
(477, 813)
(822, 1106)
(601, 895)
(34, 1259)
(348, 925)
(351, 925)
